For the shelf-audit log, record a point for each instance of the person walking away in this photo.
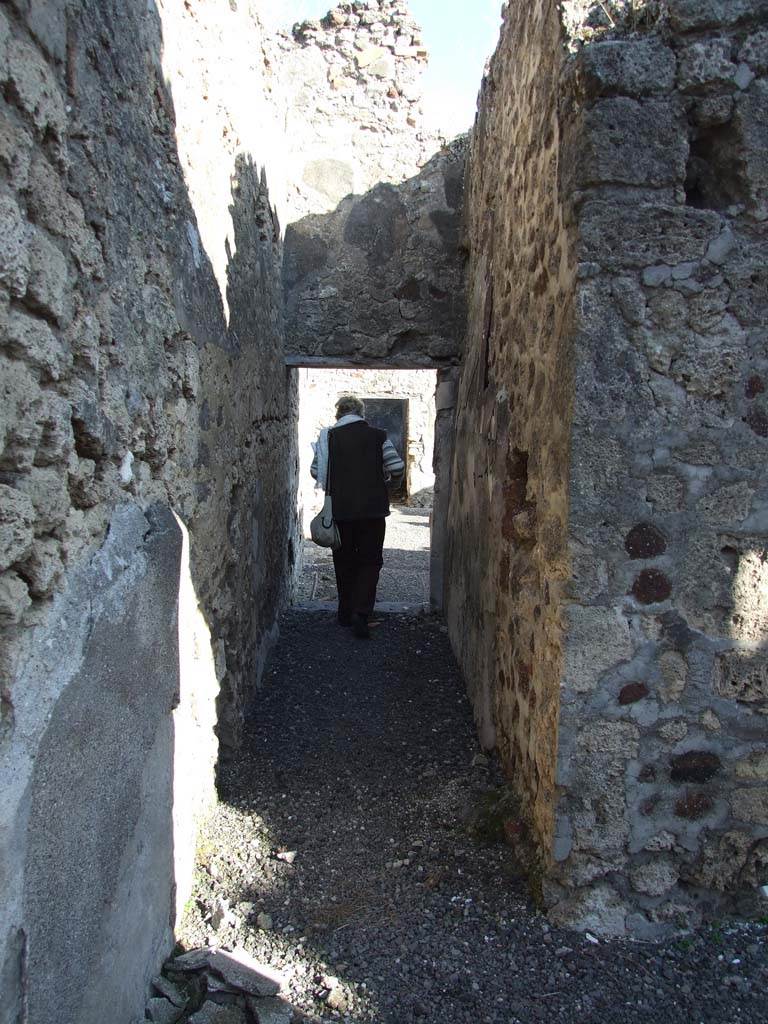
(362, 462)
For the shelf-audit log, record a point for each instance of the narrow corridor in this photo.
(356, 850)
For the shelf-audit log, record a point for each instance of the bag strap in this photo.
(328, 465)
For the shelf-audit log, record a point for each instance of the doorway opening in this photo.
(401, 402)
(391, 414)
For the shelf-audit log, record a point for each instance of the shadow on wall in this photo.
(136, 669)
(378, 281)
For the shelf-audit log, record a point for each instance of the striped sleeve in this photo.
(393, 464)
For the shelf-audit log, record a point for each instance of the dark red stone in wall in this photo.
(632, 692)
(694, 806)
(647, 807)
(758, 421)
(754, 386)
(651, 586)
(695, 766)
(645, 541)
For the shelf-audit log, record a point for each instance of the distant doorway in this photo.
(391, 414)
(403, 404)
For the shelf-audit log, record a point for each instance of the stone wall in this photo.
(379, 281)
(663, 811)
(146, 474)
(506, 561)
(348, 92)
(372, 272)
(648, 136)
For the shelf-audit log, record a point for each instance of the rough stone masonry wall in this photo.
(349, 94)
(661, 797)
(349, 87)
(372, 272)
(663, 776)
(379, 281)
(145, 494)
(507, 525)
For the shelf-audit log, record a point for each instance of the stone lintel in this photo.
(404, 362)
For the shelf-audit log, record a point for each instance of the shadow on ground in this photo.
(355, 849)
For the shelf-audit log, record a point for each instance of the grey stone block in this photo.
(639, 236)
(43, 568)
(36, 87)
(655, 276)
(271, 1011)
(32, 339)
(750, 117)
(47, 22)
(706, 65)
(633, 143)
(214, 1013)
(627, 67)
(754, 51)
(14, 252)
(691, 15)
(14, 598)
(47, 286)
(161, 1011)
(239, 969)
(17, 515)
(719, 248)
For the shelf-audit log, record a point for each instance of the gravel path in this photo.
(349, 852)
(405, 576)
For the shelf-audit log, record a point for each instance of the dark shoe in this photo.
(360, 626)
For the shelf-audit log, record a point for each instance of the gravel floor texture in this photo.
(404, 577)
(352, 853)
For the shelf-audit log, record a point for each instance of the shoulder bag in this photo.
(323, 529)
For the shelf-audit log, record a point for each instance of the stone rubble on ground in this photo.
(211, 985)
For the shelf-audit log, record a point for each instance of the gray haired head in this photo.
(349, 405)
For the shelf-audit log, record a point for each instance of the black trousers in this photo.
(357, 563)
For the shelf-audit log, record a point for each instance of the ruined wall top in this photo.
(590, 21)
(349, 86)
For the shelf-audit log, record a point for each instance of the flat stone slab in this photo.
(170, 990)
(213, 983)
(238, 968)
(194, 960)
(271, 1011)
(161, 1011)
(214, 1013)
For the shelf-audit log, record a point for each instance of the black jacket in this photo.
(358, 489)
